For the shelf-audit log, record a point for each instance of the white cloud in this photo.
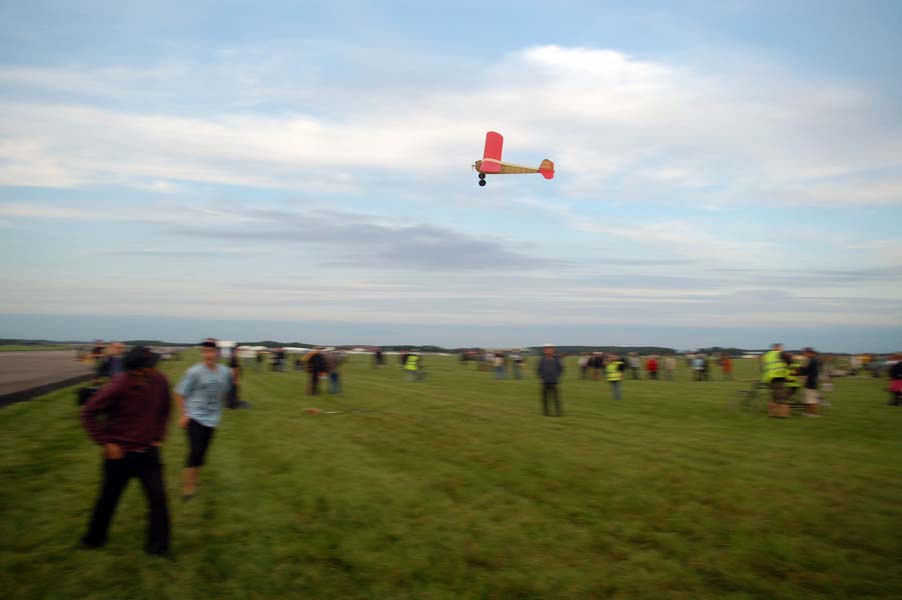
(125, 294)
(602, 115)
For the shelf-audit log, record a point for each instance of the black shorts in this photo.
(199, 437)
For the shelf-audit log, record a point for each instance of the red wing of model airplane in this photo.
(491, 161)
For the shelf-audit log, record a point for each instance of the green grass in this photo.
(458, 488)
(31, 348)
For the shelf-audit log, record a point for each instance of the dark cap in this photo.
(140, 357)
(208, 343)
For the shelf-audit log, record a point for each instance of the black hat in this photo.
(208, 343)
(140, 357)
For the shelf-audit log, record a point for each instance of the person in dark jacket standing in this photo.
(316, 366)
(811, 371)
(550, 368)
(137, 406)
(232, 400)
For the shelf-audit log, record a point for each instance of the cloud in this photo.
(334, 238)
(357, 240)
(486, 303)
(627, 125)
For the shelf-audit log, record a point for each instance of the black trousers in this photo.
(232, 400)
(550, 393)
(147, 467)
(199, 437)
(314, 383)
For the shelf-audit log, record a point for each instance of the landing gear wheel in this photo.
(482, 175)
(482, 182)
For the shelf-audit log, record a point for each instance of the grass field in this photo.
(457, 488)
(31, 348)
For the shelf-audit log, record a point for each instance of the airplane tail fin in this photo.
(547, 169)
(493, 144)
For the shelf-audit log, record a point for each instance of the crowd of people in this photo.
(128, 411)
(802, 378)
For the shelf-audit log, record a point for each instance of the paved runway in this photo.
(24, 375)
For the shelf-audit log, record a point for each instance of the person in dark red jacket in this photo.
(136, 406)
(895, 384)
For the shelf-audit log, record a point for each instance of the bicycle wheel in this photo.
(746, 401)
(752, 401)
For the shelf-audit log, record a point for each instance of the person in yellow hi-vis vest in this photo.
(413, 367)
(775, 371)
(793, 378)
(613, 372)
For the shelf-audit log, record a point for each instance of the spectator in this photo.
(517, 363)
(634, 364)
(651, 365)
(874, 365)
(499, 364)
(334, 361)
(774, 370)
(137, 406)
(413, 368)
(793, 383)
(233, 400)
(97, 353)
(597, 364)
(726, 366)
(200, 395)
(316, 367)
(895, 380)
(670, 364)
(549, 369)
(112, 364)
(811, 371)
(614, 374)
(698, 365)
(583, 364)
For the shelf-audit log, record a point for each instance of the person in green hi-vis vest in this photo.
(413, 367)
(613, 372)
(774, 370)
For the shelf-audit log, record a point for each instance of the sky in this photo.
(727, 173)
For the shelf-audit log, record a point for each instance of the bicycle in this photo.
(754, 399)
(757, 399)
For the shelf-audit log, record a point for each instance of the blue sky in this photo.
(726, 174)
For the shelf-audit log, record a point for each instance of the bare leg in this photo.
(190, 481)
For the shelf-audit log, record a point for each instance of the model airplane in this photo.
(491, 161)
